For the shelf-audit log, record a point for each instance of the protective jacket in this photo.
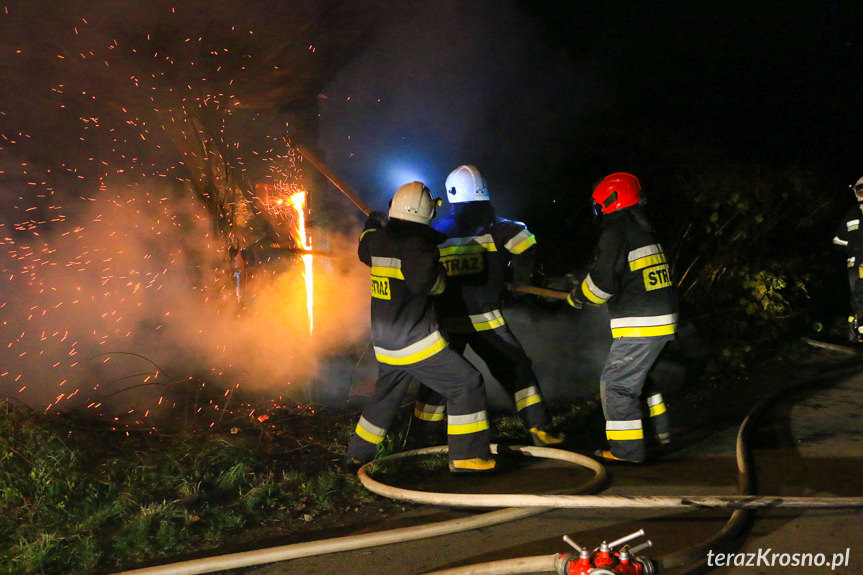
(476, 253)
(405, 271)
(631, 275)
(475, 259)
(849, 235)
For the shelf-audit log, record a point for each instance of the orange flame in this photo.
(299, 202)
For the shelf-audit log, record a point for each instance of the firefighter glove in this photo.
(575, 298)
(376, 220)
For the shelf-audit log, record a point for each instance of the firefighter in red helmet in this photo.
(405, 273)
(630, 275)
(478, 249)
(849, 235)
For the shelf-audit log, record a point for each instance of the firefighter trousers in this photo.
(448, 374)
(855, 286)
(507, 361)
(624, 394)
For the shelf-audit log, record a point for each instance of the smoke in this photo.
(567, 347)
(114, 285)
(118, 124)
(136, 294)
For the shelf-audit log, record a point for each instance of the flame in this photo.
(298, 200)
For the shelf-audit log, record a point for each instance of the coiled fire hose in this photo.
(522, 506)
(694, 557)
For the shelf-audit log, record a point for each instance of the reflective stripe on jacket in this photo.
(849, 235)
(631, 274)
(405, 272)
(475, 260)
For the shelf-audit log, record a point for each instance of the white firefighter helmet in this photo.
(857, 188)
(413, 202)
(466, 184)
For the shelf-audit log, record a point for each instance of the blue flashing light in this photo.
(401, 171)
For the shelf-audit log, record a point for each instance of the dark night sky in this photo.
(540, 95)
(544, 97)
(533, 92)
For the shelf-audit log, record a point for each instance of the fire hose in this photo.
(692, 557)
(741, 501)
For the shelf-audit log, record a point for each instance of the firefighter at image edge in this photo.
(631, 275)
(478, 249)
(405, 272)
(849, 236)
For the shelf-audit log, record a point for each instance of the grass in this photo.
(89, 499)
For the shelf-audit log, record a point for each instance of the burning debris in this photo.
(130, 167)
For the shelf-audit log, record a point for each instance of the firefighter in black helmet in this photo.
(849, 235)
(631, 275)
(405, 273)
(479, 247)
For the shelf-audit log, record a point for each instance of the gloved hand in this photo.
(575, 298)
(376, 220)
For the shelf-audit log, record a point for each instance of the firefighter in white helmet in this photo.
(478, 249)
(405, 274)
(632, 276)
(849, 235)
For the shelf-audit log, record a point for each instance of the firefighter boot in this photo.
(351, 465)
(542, 437)
(475, 465)
(607, 456)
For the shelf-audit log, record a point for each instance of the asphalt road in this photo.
(809, 443)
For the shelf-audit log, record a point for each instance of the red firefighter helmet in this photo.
(617, 191)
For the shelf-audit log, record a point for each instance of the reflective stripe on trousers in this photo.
(658, 414)
(447, 373)
(428, 412)
(510, 365)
